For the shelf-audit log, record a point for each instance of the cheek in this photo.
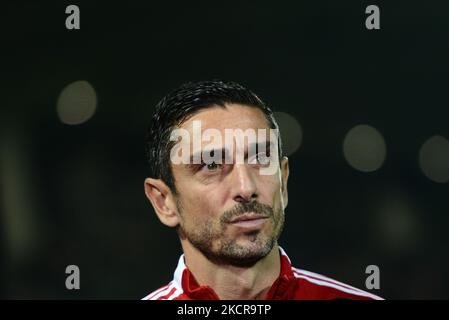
(270, 187)
(198, 209)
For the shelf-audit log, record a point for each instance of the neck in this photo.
(230, 282)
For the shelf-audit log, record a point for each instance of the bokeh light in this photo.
(398, 227)
(77, 103)
(291, 132)
(364, 148)
(434, 159)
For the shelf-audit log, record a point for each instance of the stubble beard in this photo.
(211, 240)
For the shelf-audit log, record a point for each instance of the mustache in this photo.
(242, 208)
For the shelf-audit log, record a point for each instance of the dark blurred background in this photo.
(364, 115)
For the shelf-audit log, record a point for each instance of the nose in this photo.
(245, 189)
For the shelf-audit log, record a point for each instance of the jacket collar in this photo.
(282, 288)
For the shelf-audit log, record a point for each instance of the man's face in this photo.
(230, 212)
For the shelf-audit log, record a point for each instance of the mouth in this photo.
(249, 221)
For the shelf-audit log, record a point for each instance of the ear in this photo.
(285, 171)
(162, 200)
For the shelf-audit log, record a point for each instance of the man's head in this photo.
(228, 211)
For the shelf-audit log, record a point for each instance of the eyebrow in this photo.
(224, 151)
(199, 154)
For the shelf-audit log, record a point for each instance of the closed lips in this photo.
(248, 218)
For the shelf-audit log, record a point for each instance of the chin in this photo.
(247, 252)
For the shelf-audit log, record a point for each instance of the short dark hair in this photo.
(181, 104)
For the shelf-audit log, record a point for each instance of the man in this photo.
(228, 214)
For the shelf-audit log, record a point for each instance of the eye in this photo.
(262, 158)
(212, 166)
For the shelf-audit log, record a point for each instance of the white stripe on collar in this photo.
(177, 278)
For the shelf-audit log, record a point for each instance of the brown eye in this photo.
(263, 158)
(212, 166)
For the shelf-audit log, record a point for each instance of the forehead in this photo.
(232, 116)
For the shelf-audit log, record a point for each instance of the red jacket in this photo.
(292, 284)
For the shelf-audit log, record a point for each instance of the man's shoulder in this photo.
(167, 292)
(315, 286)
